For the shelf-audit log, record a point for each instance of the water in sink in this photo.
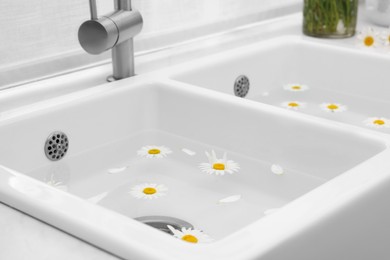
(107, 174)
(350, 78)
(103, 165)
(282, 157)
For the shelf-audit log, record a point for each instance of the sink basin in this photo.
(139, 148)
(353, 79)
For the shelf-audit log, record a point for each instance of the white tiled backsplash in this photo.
(34, 32)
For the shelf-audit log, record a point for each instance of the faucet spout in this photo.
(114, 31)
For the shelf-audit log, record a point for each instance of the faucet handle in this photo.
(93, 9)
(98, 35)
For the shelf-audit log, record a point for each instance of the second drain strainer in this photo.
(241, 86)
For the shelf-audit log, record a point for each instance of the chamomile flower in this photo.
(333, 107)
(377, 122)
(219, 166)
(148, 191)
(293, 105)
(295, 87)
(368, 37)
(153, 151)
(190, 235)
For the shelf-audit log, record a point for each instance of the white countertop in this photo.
(23, 237)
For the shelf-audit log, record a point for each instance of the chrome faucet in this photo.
(113, 31)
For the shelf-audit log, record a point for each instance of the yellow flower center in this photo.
(333, 107)
(296, 87)
(154, 151)
(293, 104)
(219, 166)
(190, 239)
(369, 41)
(149, 191)
(379, 122)
(388, 38)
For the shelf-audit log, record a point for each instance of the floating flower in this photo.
(368, 37)
(190, 235)
(377, 122)
(153, 151)
(148, 191)
(293, 105)
(295, 87)
(333, 107)
(219, 166)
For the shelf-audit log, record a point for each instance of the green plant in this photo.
(322, 17)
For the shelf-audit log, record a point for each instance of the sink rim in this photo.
(229, 246)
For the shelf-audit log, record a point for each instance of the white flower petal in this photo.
(277, 169)
(117, 170)
(230, 199)
(189, 152)
(214, 156)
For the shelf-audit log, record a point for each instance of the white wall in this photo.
(36, 31)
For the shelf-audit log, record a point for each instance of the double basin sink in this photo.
(225, 177)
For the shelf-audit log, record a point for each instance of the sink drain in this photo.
(161, 223)
(56, 146)
(241, 86)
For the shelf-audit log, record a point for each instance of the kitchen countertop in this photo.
(24, 237)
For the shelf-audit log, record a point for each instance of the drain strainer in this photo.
(162, 222)
(241, 86)
(56, 146)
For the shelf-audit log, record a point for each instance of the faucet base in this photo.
(111, 78)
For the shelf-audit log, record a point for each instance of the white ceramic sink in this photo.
(299, 168)
(349, 77)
